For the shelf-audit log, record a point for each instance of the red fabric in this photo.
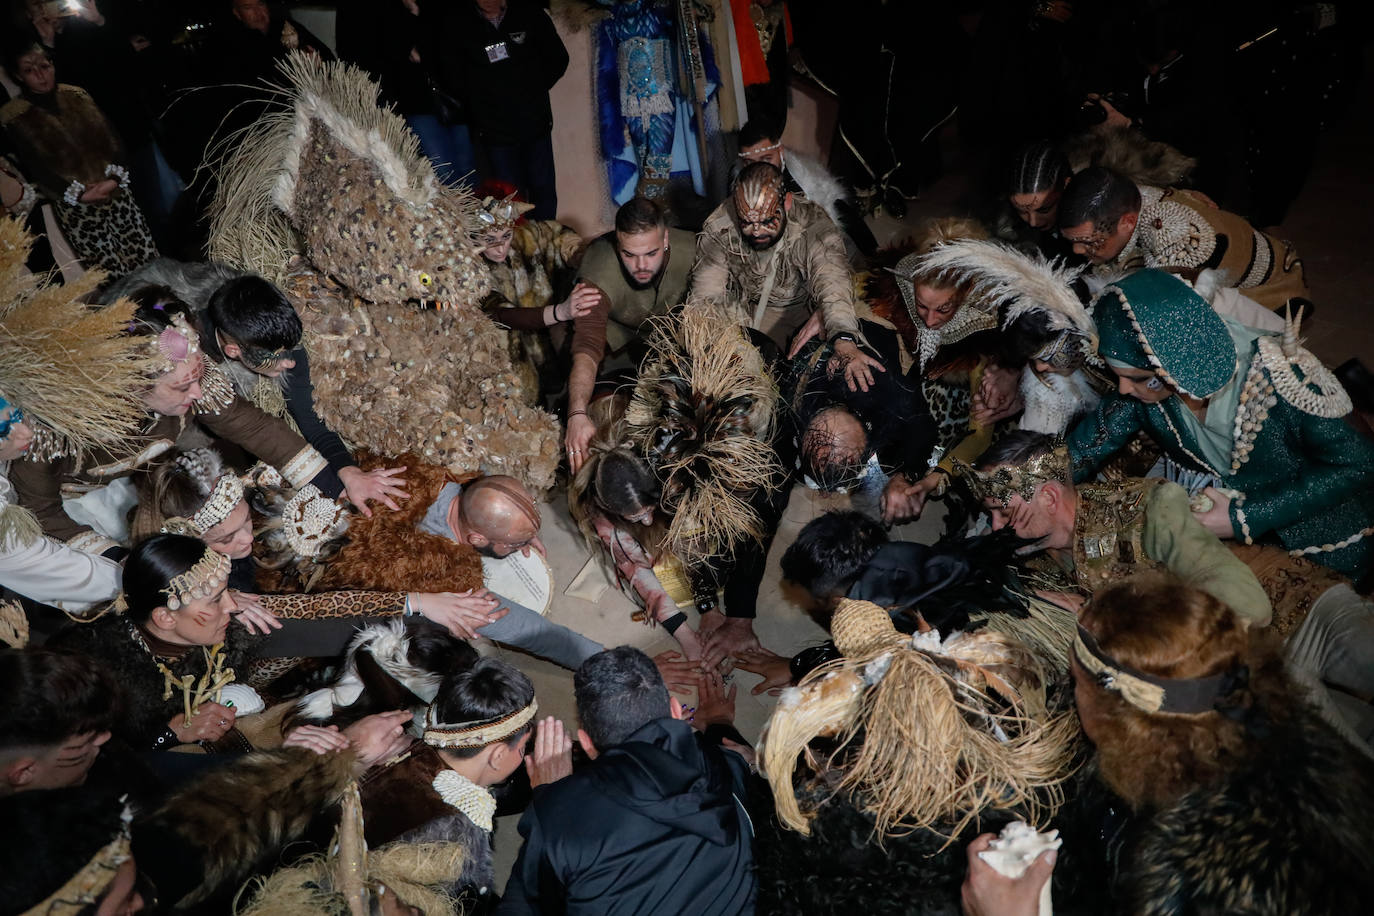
(753, 67)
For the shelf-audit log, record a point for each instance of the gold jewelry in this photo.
(1004, 482)
(477, 734)
(200, 581)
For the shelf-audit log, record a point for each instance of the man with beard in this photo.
(775, 260)
(641, 270)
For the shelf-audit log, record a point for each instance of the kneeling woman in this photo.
(176, 649)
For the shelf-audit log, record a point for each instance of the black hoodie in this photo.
(654, 825)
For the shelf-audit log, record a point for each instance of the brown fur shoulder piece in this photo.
(1123, 150)
(210, 836)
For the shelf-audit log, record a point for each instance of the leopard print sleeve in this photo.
(348, 603)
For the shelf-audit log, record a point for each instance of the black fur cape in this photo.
(1291, 832)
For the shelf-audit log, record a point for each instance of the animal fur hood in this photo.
(1289, 832)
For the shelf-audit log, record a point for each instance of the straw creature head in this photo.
(70, 367)
(927, 735)
(341, 177)
(701, 413)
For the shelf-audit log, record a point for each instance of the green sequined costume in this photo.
(1306, 476)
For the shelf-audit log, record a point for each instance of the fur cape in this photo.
(212, 835)
(818, 183)
(330, 198)
(1288, 832)
(388, 552)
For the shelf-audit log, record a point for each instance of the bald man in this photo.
(497, 516)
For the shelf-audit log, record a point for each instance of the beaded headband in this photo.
(762, 149)
(308, 520)
(86, 887)
(200, 581)
(224, 496)
(1145, 691)
(477, 734)
(1008, 480)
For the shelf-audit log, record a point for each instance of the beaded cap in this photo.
(1153, 320)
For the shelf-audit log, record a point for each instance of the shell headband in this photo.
(177, 343)
(1147, 692)
(202, 580)
(224, 497)
(477, 734)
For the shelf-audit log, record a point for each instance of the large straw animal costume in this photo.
(330, 197)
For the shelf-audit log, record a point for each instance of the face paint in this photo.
(760, 208)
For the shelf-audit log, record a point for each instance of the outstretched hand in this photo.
(551, 758)
(680, 673)
(715, 705)
(382, 485)
(775, 670)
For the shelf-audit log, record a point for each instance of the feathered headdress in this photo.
(71, 368)
(701, 414)
(929, 733)
(1004, 279)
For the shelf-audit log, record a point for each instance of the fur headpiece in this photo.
(701, 413)
(72, 369)
(498, 214)
(929, 733)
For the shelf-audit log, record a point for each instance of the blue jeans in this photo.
(447, 146)
(529, 166)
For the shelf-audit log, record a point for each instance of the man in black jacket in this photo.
(501, 58)
(656, 822)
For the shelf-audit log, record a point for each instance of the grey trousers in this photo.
(531, 631)
(1335, 647)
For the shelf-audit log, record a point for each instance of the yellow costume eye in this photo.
(425, 280)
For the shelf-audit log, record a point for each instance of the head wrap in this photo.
(1147, 692)
(1153, 320)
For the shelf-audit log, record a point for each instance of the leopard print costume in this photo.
(113, 235)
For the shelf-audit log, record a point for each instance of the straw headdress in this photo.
(928, 734)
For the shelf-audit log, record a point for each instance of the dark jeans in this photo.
(448, 146)
(529, 166)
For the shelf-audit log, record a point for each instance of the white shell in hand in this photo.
(1018, 845)
(243, 698)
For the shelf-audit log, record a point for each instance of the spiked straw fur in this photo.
(939, 734)
(331, 199)
(416, 873)
(701, 413)
(1004, 278)
(71, 367)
